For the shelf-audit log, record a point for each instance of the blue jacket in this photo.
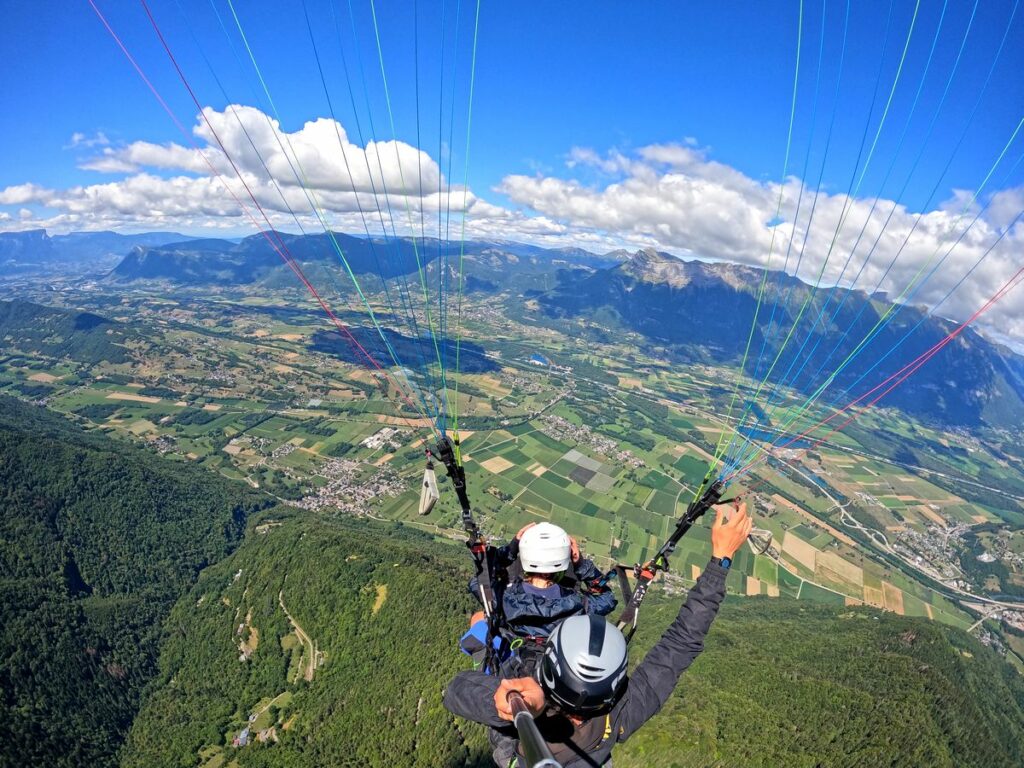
(581, 590)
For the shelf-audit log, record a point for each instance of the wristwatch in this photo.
(725, 562)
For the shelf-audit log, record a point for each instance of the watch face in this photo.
(726, 562)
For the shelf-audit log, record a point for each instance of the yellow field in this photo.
(799, 550)
(133, 398)
(538, 470)
(840, 569)
(382, 595)
(925, 511)
(694, 572)
(753, 586)
(211, 407)
(874, 597)
(893, 598)
(492, 386)
(700, 451)
(46, 378)
(497, 464)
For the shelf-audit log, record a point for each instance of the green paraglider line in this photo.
(900, 376)
(720, 448)
(348, 170)
(728, 452)
(405, 188)
(319, 212)
(773, 401)
(892, 308)
(462, 236)
(801, 409)
(404, 292)
(279, 247)
(847, 207)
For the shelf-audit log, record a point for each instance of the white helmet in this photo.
(544, 548)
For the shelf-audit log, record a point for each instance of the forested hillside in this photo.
(380, 608)
(81, 336)
(97, 540)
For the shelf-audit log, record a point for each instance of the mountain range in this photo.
(34, 251)
(688, 311)
(699, 311)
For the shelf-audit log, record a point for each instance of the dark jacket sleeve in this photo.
(499, 558)
(586, 571)
(601, 603)
(470, 694)
(600, 597)
(655, 678)
(506, 555)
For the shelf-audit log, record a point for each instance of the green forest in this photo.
(781, 683)
(97, 540)
(153, 612)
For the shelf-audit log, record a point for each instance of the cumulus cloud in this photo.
(82, 140)
(674, 197)
(302, 179)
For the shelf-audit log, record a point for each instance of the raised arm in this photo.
(657, 675)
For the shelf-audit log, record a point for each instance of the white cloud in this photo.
(82, 140)
(670, 196)
(314, 171)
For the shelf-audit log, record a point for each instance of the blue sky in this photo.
(600, 124)
(550, 76)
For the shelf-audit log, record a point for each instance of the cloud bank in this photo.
(670, 196)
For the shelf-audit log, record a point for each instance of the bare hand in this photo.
(728, 535)
(524, 529)
(526, 687)
(574, 549)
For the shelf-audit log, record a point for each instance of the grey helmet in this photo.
(584, 666)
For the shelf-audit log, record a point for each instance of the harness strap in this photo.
(449, 455)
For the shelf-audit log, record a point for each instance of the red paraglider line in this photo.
(900, 376)
(280, 248)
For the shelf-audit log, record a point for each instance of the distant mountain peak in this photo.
(652, 266)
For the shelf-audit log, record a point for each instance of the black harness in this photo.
(447, 452)
(647, 572)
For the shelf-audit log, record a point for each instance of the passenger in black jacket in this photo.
(582, 716)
